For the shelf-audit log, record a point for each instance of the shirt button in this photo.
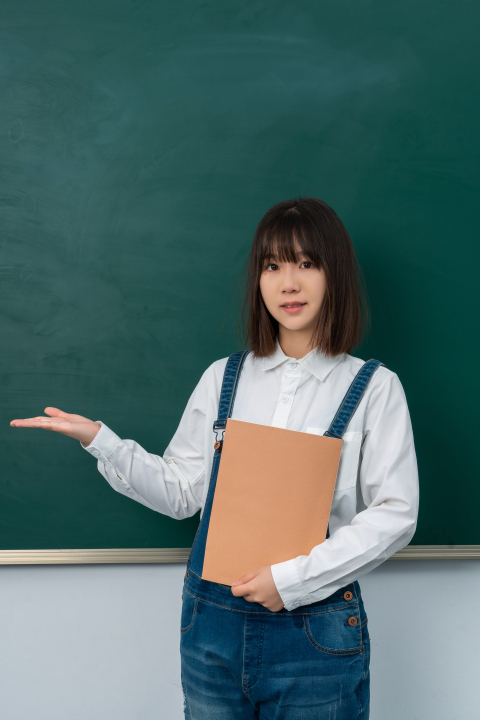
(296, 603)
(285, 398)
(292, 366)
(96, 453)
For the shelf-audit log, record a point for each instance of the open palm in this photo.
(75, 426)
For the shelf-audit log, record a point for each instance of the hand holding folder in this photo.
(272, 498)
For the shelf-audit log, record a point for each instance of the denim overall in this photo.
(240, 660)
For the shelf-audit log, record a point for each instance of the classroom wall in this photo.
(102, 641)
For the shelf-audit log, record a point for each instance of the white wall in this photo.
(102, 641)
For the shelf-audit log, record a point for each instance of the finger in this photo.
(38, 422)
(245, 590)
(56, 412)
(60, 427)
(241, 592)
(245, 579)
(38, 417)
(42, 422)
(69, 417)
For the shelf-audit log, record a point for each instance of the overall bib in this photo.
(242, 661)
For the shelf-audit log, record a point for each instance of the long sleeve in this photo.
(388, 481)
(172, 484)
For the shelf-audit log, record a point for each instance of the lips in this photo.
(293, 309)
(292, 304)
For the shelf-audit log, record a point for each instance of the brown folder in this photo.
(272, 498)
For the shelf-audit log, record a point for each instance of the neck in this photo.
(295, 343)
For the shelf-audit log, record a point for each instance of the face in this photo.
(285, 284)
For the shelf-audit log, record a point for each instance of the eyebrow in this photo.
(274, 256)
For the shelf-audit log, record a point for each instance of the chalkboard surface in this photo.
(141, 142)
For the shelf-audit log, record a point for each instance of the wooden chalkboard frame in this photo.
(180, 555)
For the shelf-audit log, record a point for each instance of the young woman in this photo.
(290, 640)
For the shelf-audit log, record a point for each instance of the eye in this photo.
(270, 265)
(308, 262)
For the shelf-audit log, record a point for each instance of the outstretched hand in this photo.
(259, 586)
(75, 426)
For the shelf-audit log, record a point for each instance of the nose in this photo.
(290, 282)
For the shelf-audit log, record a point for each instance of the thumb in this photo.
(244, 579)
(55, 412)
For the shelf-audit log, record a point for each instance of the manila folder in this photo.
(272, 498)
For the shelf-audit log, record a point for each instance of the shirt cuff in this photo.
(289, 585)
(104, 442)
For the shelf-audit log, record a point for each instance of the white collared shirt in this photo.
(375, 504)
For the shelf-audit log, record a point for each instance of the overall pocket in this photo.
(189, 611)
(335, 632)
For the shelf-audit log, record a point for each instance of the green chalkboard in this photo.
(140, 144)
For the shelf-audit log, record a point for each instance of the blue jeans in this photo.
(310, 663)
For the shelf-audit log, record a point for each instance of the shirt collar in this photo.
(315, 361)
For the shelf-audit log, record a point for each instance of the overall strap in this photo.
(231, 377)
(352, 398)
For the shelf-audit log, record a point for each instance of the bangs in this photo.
(281, 236)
